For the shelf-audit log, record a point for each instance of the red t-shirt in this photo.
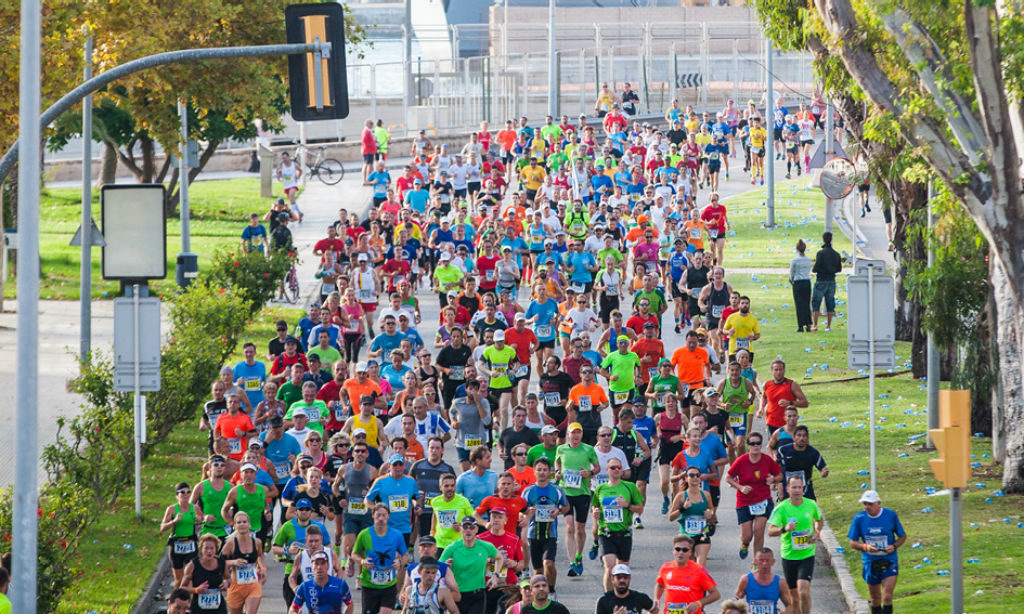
(683, 585)
(226, 425)
(329, 245)
(402, 184)
(488, 276)
(400, 267)
(613, 120)
(284, 362)
(369, 142)
(485, 140)
(523, 478)
(522, 340)
(509, 546)
(637, 323)
(714, 216)
(512, 505)
(650, 352)
(748, 473)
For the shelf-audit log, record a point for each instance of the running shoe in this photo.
(727, 176)
(762, 180)
(678, 331)
(572, 570)
(744, 551)
(664, 506)
(593, 552)
(639, 523)
(787, 176)
(752, 179)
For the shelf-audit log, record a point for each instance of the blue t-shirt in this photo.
(715, 153)
(254, 377)
(581, 260)
(474, 487)
(720, 130)
(313, 338)
(398, 496)
(880, 532)
(414, 337)
(300, 532)
(678, 262)
(548, 498)
(544, 257)
(394, 376)
(256, 235)
(516, 244)
(379, 182)
(291, 488)
(333, 598)
(623, 177)
(779, 117)
(417, 199)
(635, 189)
(646, 427)
(281, 451)
(602, 181)
(544, 314)
(388, 343)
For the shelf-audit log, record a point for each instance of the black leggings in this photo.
(802, 300)
(354, 342)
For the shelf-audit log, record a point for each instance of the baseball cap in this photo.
(362, 258)
(499, 335)
(359, 431)
(396, 459)
(256, 442)
(650, 325)
(870, 496)
(305, 458)
(520, 316)
(621, 570)
(299, 411)
(428, 562)
(366, 400)
(320, 556)
(427, 539)
(664, 361)
(276, 421)
(248, 467)
(361, 367)
(710, 391)
(446, 256)
(468, 521)
(499, 510)
(701, 331)
(291, 340)
(548, 242)
(575, 426)
(303, 504)
(549, 429)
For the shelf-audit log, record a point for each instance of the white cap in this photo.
(499, 335)
(446, 256)
(248, 466)
(299, 411)
(621, 570)
(548, 429)
(362, 367)
(362, 258)
(870, 496)
(520, 316)
(358, 431)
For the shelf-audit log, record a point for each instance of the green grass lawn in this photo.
(219, 210)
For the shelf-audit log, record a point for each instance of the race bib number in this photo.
(252, 384)
(446, 518)
(210, 600)
(185, 546)
(398, 503)
(755, 150)
(282, 469)
(612, 514)
(585, 404)
(339, 413)
(743, 344)
(815, 110)
(474, 442)
(651, 372)
(758, 509)
(522, 370)
(879, 542)
(694, 525)
(736, 420)
(621, 397)
(382, 576)
(716, 310)
(801, 539)
(489, 275)
(499, 370)
(545, 513)
(357, 506)
(695, 233)
(613, 289)
(713, 232)
(714, 155)
(247, 574)
(365, 296)
(597, 480)
(236, 445)
(761, 606)
(313, 413)
(458, 373)
(572, 479)
(326, 288)
(675, 608)
(543, 331)
(552, 398)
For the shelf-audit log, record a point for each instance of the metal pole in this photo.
(437, 94)
(871, 368)
(407, 57)
(770, 112)
(138, 403)
(26, 447)
(830, 205)
(85, 270)
(373, 92)
(552, 81)
(932, 354)
(956, 547)
(705, 63)
(186, 237)
(583, 80)
(504, 37)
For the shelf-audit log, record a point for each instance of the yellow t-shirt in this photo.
(703, 140)
(692, 124)
(532, 177)
(744, 326)
(757, 137)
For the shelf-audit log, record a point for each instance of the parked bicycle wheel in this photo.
(291, 286)
(330, 171)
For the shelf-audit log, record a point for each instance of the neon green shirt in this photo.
(613, 517)
(315, 411)
(797, 544)
(575, 460)
(469, 564)
(448, 515)
(447, 277)
(500, 364)
(623, 365)
(327, 357)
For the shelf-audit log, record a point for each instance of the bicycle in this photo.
(291, 285)
(327, 170)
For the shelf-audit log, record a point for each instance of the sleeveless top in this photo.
(775, 392)
(613, 345)
(306, 564)
(510, 314)
(762, 599)
(370, 426)
(288, 176)
(692, 521)
(252, 504)
(186, 527)
(537, 236)
(212, 602)
(212, 502)
(353, 316)
(670, 426)
(535, 425)
(697, 278)
(732, 396)
(718, 301)
(357, 482)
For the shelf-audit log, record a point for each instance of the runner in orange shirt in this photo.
(693, 367)
(587, 400)
(234, 426)
(650, 349)
(694, 230)
(682, 583)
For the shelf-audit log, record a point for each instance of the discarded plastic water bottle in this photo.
(979, 485)
(885, 407)
(903, 455)
(918, 566)
(926, 510)
(999, 493)
(973, 561)
(863, 472)
(916, 546)
(926, 561)
(883, 396)
(840, 549)
(942, 572)
(975, 464)
(988, 499)
(974, 525)
(833, 419)
(863, 486)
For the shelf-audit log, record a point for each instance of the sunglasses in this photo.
(754, 443)
(586, 371)
(183, 491)
(217, 465)
(342, 445)
(679, 549)
(519, 454)
(693, 475)
(604, 434)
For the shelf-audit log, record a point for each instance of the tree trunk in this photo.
(1008, 402)
(108, 169)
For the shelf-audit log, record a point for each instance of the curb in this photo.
(145, 603)
(854, 603)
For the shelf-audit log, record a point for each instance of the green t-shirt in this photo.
(663, 386)
(447, 277)
(382, 136)
(613, 517)
(289, 393)
(284, 538)
(327, 357)
(615, 254)
(365, 547)
(623, 365)
(574, 461)
(500, 364)
(5, 604)
(798, 544)
(469, 564)
(315, 411)
(552, 133)
(557, 161)
(538, 451)
(449, 514)
(656, 298)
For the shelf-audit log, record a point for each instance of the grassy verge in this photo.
(219, 210)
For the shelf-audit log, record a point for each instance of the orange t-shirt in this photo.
(512, 505)
(690, 365)
(225, 428)
(354, 389)
(695, 233)
(523, 478)
(636, 234)
(683, 585)
(413, 451)
(594, 393)
(507, 138)
(650, 352)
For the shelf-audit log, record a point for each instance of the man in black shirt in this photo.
(276, 345)
(800, 458)
(516, 434)
(541, 604)
(621, 596)
(629, 100)
(827, 264)
(676, 134)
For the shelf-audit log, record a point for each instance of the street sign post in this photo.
(953, 469)
(871, 329)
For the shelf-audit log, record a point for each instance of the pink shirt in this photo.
(646, 252)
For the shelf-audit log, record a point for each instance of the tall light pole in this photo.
(552, 78)
(26, 447)
(769, 112)
(85, 272)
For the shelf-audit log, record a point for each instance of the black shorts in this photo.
(864, 187)
(549, 344)
(508, 157)
(806, 142)
(642, 472)
(590, 436)
(579, 507)
(693, 307)
(558, 414)
(376, 598)
(529, 371)
(793, 148)
(178, 561)
(688, 400)
(746, 514)
(473, 602)
(760, 153)
(800, 569)
(459, 192)
(619, 544)
(531, 194)
(714, 167)
(608, 304)
(677, 293)
(542, 550)
(473, 187)
(369, 158)
(668, 451)
(629, 394)
(777, 134)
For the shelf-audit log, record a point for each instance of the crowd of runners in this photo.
(560, 255)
